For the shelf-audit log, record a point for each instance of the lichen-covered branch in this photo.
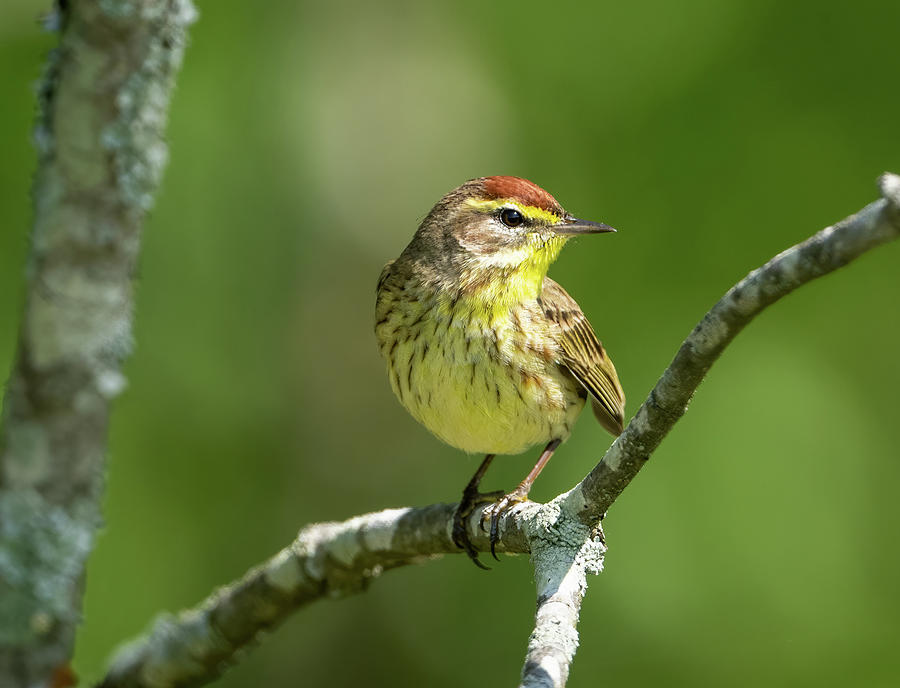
(563, 551)
(326, 560)
(561, 585)
(563, 536)
(330, 560)
(104, 98)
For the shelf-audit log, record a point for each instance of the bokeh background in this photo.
(760, 544)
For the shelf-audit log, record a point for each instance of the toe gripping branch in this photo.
(472, 498)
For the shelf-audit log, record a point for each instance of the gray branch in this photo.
(103, 103)
(563, 552)
(562, 536)
(824, 252)
(326, 560)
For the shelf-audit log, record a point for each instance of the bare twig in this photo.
(563, 536)
(104, 99)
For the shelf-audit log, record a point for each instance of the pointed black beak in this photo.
(572, 225)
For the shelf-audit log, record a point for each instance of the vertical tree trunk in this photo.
(104, 98)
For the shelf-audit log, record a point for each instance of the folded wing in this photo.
(584, 356)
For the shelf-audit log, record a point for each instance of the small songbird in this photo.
(482, 348)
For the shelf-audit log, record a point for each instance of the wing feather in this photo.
(583, 355)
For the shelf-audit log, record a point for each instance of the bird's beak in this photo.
(572, 225)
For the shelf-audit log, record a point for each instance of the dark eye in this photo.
(511, 217)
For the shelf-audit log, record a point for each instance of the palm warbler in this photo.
(482, 348)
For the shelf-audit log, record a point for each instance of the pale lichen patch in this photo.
(283, 571)
(38, 536)
(378, 534)
(110, 383)
(613, 458)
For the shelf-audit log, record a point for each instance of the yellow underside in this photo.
(472, 378)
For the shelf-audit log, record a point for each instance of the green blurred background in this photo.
(758, 547)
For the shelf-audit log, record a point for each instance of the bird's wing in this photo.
(583, 355)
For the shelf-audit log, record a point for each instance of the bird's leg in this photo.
(520, 494)
(471, 498)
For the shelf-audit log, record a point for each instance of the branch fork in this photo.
(563, 536)
(100, 140)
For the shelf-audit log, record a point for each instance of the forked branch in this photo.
(563, 536)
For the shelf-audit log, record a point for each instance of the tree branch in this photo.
(563, 552)
(563, 536)
(326, 560)
(824, 252)
(104, 98)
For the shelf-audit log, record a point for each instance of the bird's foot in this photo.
(500, 507)
(471, 498)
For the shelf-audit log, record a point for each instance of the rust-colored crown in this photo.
(523, 191)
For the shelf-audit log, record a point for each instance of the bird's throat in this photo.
(498, 283)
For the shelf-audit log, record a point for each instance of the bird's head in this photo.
(501, 227)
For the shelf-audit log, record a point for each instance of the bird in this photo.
(481, 347)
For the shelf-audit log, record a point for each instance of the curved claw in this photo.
(461, 539)
(470, 500)
(473, 554)
(500, 508)
(520, 494)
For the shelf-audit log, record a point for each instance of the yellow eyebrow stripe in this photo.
(529, 211)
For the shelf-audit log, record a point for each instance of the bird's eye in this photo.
(511, 217)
